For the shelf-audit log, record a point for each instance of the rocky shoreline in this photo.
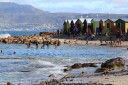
(52, 38)
(113, 73)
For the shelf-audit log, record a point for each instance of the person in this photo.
(1, 51)
(58, 32)
(58, 42)
(92, 36)
(43, 43)
(55, 43)
(87, 41)
(14, 52)
(28, 44)
(47, 44)
(36, 43)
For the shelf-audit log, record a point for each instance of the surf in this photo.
(6, 35)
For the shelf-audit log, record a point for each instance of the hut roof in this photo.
(96, 19)
(114, 20)
(124, 19)
(88, 20)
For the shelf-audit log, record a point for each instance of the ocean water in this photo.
(29, 65)
(20, 33)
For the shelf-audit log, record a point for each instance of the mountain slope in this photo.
(17, 16)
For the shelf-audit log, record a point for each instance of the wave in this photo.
(42, 64)
(6, 35)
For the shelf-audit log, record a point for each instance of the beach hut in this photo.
(109, 27)
(79, 25)
(122, 24)
(89, 28)
(66, 27)
(95, 25)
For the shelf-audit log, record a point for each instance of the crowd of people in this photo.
(45, 42)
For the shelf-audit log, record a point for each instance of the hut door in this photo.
(92, 28)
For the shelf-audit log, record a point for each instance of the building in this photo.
(109, 27)
(122, 24)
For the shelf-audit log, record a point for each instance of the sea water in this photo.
(29, 65)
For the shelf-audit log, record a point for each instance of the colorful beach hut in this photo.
(109, 27)
(122, 24)
(96, 25)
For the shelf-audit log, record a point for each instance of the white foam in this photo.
(45, 63)
(6, 35)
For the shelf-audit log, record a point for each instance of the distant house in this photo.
(102, 25)
(122, 24)
(109, 27)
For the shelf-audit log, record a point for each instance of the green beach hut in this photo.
(122, 24)
(95, 25)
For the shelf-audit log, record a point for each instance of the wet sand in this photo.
(90, 42)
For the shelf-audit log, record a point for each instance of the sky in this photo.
(77, 6)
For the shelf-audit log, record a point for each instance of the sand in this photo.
(105, 79)
(90, 42)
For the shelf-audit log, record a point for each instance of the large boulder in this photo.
(111, 64)
(76, 66)
(9, 83)
(89, 65)
(114, 63)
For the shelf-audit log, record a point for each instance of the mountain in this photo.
(25, 17)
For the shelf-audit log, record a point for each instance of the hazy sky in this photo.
(80, 6)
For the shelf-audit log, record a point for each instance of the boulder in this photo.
(89, 65)
(67, 69)
(9, 83)
(111, 64)
(114, 63)
(76, 66)
(102, 70)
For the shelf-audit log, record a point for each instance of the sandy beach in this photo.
(114, 79)
(90, 42)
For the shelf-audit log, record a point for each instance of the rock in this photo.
(111, 64)
(79, 65)
(114, 63)
(67, 69)
(66, 77)
(76, 66)
(9, 83)
(52, 75)
(103, 70)
(89, 65)
(52, 82)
